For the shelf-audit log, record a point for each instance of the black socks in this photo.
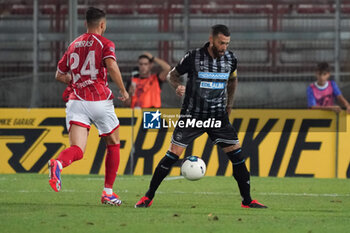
(161, 172)
(241, 174)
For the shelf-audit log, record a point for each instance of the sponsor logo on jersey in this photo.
(212, 85)
(211, 75)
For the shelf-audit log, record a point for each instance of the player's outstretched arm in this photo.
(231, 88)
(116, 77)
(174, 78)
(64, 78)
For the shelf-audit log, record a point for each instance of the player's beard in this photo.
(217, 52)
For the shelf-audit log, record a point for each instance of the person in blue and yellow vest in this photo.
(145, 86)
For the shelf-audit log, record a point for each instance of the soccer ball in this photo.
(193, 168)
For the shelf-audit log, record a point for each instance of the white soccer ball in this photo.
(193, 168)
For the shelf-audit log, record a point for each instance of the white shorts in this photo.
(100, 113)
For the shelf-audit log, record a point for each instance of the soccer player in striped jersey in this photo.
(211, 84)
(84, 67)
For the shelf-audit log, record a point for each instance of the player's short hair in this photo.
(219, 29)
(323, 67)
(144, 56)
(93, 16)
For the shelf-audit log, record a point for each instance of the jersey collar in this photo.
(206, 47)
(322, 87)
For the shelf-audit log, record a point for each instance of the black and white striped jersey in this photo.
(205, 95)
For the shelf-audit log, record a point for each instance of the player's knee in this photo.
(227, 148)
(175, 149)
(236, 156)
(112, 138)
(168, 160)
(111, 141)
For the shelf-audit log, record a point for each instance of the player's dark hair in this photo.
(219, 29)
(144, 56)
(323, 67)
(93, 16)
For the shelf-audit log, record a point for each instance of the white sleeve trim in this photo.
(58, 69)
(109, 56)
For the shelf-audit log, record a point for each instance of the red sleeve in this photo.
(62, 66)
(66, 93)
(108, 50)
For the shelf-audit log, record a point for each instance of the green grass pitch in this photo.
(212, 204)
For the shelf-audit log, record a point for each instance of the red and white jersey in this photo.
(84, 59)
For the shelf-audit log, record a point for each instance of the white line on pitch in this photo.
(137, 178)
(200, 193)
(174, 178)
(306, 194)
(263, 194)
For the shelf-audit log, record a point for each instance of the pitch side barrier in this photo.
(306, 143)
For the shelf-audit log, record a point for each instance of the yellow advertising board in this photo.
(309, 143)
(343, 160)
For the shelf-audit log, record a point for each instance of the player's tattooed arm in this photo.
(231, 88)
(174, 78)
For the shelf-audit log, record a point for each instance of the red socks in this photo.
(112, 164)
(70, 155)
(74, 153)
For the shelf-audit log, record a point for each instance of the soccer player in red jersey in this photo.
(84, 66)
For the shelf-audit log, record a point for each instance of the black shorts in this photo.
(224, 136)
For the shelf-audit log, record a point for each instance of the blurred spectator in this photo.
(145, 86)
(323, 94)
